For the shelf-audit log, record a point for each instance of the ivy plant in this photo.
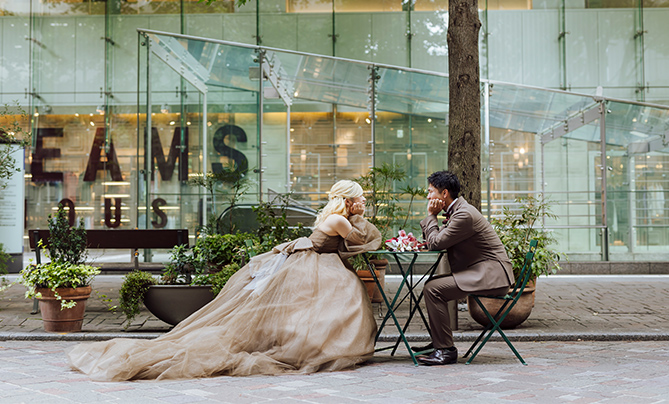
(132, 292)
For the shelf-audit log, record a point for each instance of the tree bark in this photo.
(464, 107)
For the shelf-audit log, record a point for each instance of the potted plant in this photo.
(386, 214)
(62, 285)
(516, 228)
(191, 279)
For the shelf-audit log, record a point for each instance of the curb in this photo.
(460, 337)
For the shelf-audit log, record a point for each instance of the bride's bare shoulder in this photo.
(335, 225)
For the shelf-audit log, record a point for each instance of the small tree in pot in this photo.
(516, 228)
(62, 285)
(386, 214)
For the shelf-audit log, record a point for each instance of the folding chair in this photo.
(510, 300)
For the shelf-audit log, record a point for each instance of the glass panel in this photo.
(581, 44)
(656, 54)
(217, 7)
(411, 130)
(149, 7)
(350, 6)
(228, 75)
(354, 36)
(430, 5)
(429, 49)
(509, 4)
(14, 58)
(309, 6)
(315, 33)
(572, 179)
(505, 57)
(327, 143)
(278, 29)
(626, 3)
(56, 7)
(15, 8)
(389, 31)
(532, 110)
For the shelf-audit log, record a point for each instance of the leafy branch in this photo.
(12, 136)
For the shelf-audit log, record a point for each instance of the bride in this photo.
(294, 309)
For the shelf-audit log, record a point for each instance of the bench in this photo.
(132, 239)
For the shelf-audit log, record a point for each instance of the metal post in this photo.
(602, 140)
(261, 107)
(288, 182)
(373, 76)
(486, 132)
(205, 152)
(543, 178)
(148, 164)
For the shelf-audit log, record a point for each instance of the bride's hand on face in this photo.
(357, 208)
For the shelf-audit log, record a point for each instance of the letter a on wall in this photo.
(95, 162)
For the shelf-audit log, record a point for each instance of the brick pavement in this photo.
(567, 307)
(590, 339)
(558, 372)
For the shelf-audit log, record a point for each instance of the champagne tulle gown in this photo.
(294, 309)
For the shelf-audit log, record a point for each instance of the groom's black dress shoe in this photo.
(422, 348)
(439, 357)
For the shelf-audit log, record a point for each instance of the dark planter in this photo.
(67, 320)
(173, 303)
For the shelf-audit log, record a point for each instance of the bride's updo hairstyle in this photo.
(340, 191)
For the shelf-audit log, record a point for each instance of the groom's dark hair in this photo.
(445, 180)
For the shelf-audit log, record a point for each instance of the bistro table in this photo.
(414, 301)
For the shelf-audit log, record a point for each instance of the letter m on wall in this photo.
(178, 150)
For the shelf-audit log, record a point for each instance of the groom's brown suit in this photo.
(477, 259)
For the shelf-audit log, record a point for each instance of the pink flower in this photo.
(404, 242)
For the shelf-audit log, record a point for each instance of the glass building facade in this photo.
(346, 85)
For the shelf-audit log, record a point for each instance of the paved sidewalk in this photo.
(567, 307)
(604, 372)
(590, 339)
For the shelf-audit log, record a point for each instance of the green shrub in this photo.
(132, 292)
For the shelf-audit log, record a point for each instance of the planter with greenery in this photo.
(516, 228)
(191, 279)
(62, 285)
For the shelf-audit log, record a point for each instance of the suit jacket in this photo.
(476, 255)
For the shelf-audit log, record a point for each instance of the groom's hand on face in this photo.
(434, 206)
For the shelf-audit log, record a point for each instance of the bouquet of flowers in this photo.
(404, 242)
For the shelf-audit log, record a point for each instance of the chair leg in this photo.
(495, 325)
(488, 327)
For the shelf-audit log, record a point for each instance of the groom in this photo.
(476, 255)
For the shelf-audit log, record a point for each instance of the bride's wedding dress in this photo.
(296, 308)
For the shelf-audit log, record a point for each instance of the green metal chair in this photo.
(510, 300)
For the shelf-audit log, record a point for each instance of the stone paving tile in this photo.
(566, 307)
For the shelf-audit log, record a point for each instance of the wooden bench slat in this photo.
(121, 239)
(133, 239)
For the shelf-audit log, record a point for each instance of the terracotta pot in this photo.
(365, 275)
(67, 320)
(173, 303)
(518, 314)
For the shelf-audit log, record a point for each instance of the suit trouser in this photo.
(438, 292)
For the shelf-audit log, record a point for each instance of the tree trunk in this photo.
(464, 107)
